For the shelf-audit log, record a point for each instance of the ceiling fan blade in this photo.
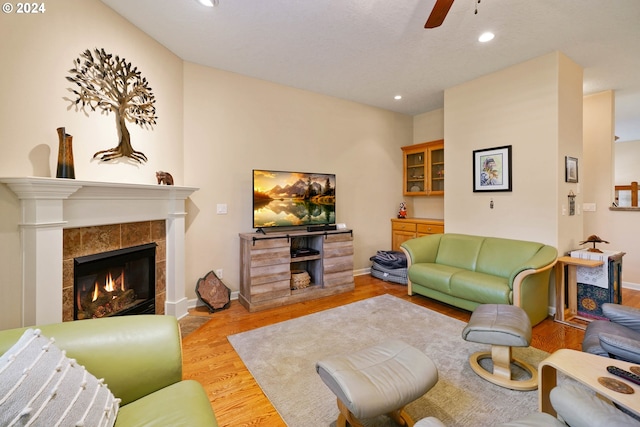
(439, 12)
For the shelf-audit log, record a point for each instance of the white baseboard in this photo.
(630, 285)
(193, 303)
(362, 271)
(179, 309)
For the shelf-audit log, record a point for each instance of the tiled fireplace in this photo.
(86, 246)
(63, 219)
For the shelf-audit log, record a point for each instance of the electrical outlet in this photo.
(589, 207)
(219, 273)
(221, 209)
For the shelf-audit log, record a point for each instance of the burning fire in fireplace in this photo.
(115, 283)
(109, 295)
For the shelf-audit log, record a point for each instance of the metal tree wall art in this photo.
(109, 83)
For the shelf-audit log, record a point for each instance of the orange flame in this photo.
(109, 284)
(96, 292)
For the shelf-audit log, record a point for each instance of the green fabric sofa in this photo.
(466, 271)
(140, 359)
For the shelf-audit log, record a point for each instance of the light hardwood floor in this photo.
(238, 400)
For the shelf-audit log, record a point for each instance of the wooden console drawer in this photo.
(430, 229)
(340, 263)
(338, 249)
(274, 256)
(270, 291)
(404, 226)
(339, 278)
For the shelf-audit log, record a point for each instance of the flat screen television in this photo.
(291, 199)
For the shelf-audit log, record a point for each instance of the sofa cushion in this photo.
(500, 257)
(438, 276)
(459, 250)
(180, 404)
(39, 385)
(480, 287)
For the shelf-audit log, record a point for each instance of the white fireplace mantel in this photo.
(50, 205)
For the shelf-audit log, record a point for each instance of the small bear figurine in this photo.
(164, 177)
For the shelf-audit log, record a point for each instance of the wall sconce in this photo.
(572, 203)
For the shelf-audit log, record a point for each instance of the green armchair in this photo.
(140, 359)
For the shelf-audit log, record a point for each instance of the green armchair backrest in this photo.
(136, 355)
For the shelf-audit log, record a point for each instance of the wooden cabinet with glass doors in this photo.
(423, 169)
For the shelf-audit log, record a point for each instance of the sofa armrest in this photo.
(530, 284)
(622, 315)
(581, 408)
(136, 355)
(526, 284)
(542, 260)
(422, 249)
(621, 347)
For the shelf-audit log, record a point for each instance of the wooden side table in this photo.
(569, 314)
(585, 368)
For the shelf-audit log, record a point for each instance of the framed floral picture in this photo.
(571, 169)
(492, 169)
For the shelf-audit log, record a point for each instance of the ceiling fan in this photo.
(439, 12)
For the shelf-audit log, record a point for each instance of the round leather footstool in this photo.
(378, 380)
(502, 326)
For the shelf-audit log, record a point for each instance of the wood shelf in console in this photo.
(266, 264)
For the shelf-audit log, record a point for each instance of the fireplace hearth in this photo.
(115, 283)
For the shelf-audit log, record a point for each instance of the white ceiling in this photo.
(370, 50)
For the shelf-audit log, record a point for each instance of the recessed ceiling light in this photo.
(485, 37)
(397, 97)
(208, 3)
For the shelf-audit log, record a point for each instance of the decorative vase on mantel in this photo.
(65, 155)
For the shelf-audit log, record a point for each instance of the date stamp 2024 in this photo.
(24, 8)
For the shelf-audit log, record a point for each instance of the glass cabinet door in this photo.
(423, 169)
(415, 181)
(436, 166)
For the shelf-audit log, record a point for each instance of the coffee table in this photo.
(585, 368)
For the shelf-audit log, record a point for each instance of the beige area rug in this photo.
(282, 359)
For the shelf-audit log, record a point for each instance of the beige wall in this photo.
(626, 225)
(10, 260)
(37, 51)
(596, 172)
(570, 143)
(626, 159)
(234, 124)
(427, 127)
(519, 106)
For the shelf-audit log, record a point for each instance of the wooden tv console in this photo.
(266, 263)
